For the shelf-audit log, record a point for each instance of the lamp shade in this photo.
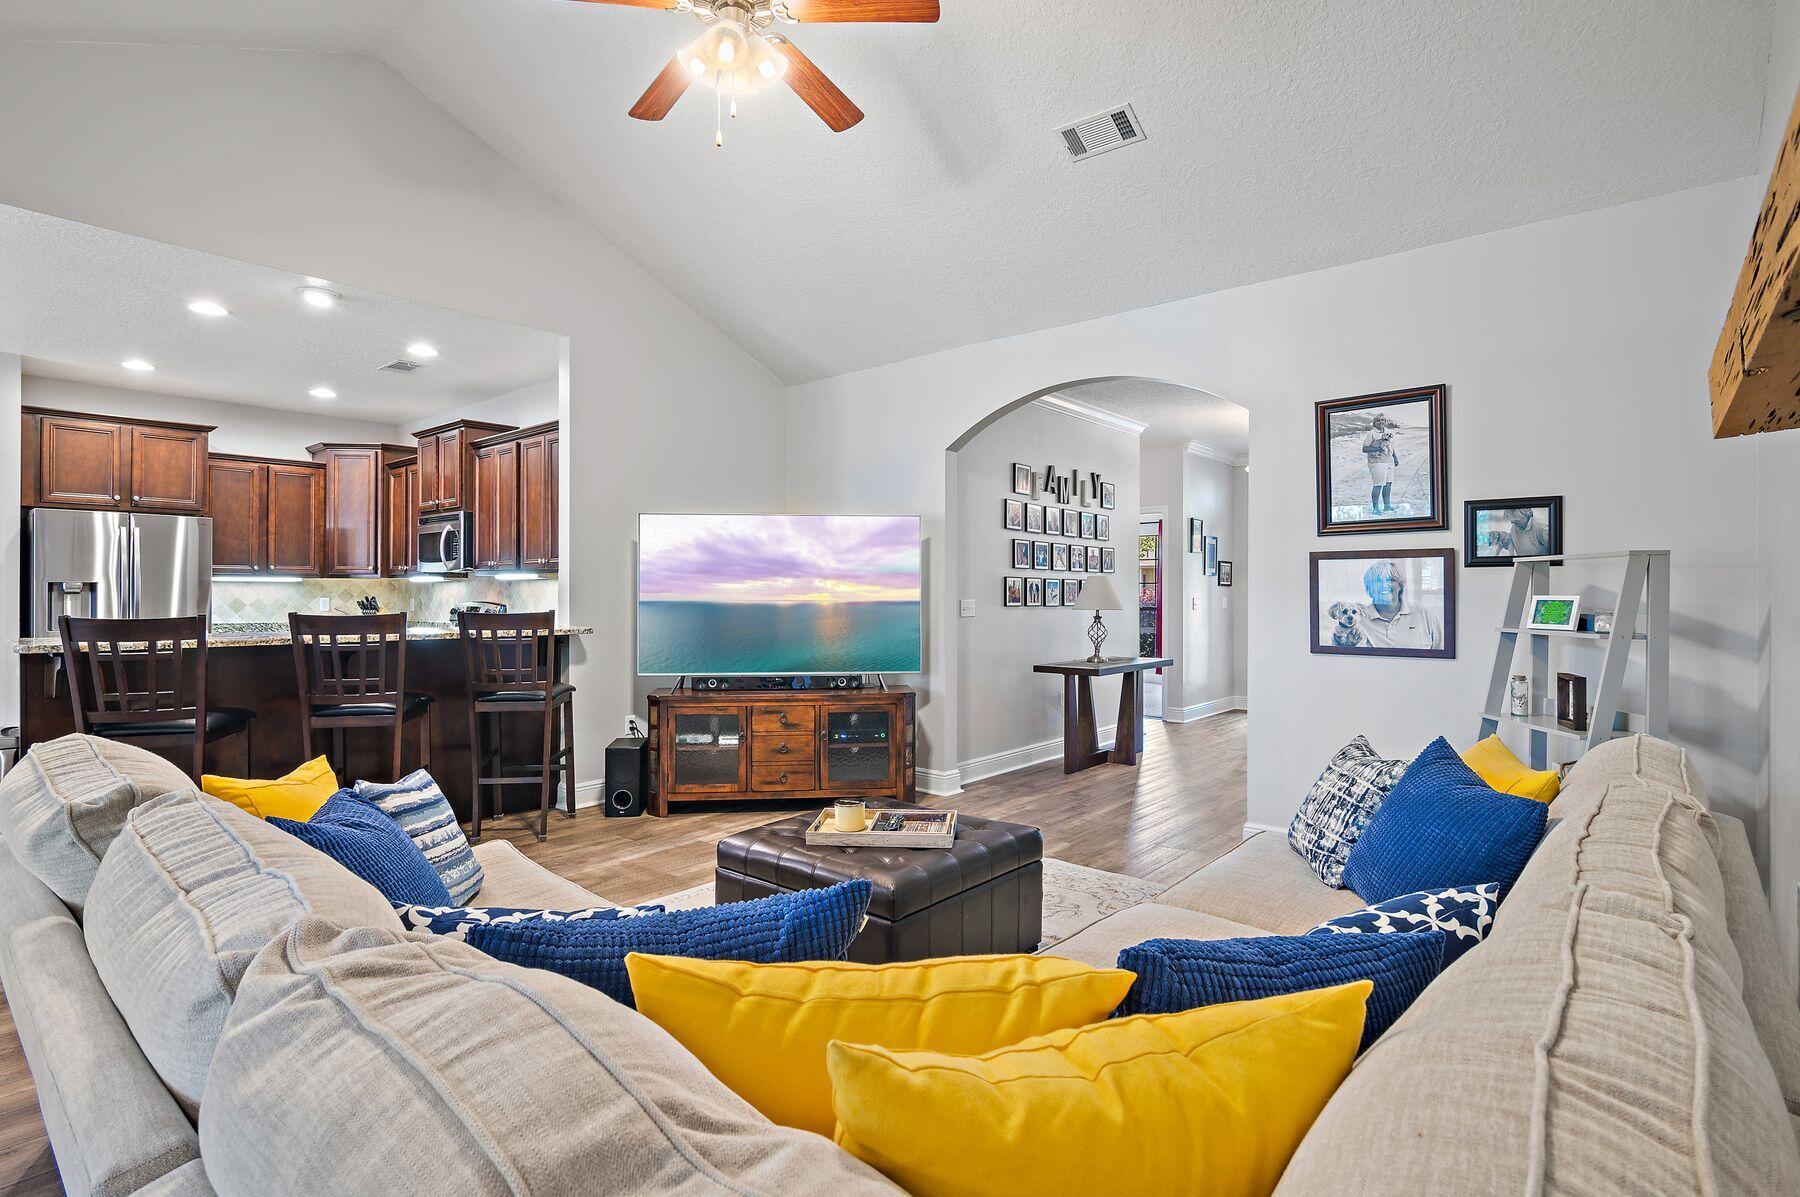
(1099, 594)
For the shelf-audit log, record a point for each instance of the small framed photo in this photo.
(1077, 559)
(1015, 592)
(1052, 592)
(1015, 515)
(1034, 592)
(1224, 573)
(1071, 591)
(1059, 557)
(1196, 536)
(1397, 603)
(1382, 462)
(1212, 555)
(1021, 554)
(1021, 483)
(1103, 527)
(1554, 613)
(1053, 521)
(1108, 496)
(1088, 525)
(1040, 554)
(1034, 517)
(1093, 559)
(1106, 561)
(1497, 530)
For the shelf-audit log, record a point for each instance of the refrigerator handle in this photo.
(122, 564)
(135, 567)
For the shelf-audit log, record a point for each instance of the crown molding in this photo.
(1093, 415)
(1214, 453)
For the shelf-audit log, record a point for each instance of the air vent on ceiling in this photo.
(401, 366)
(1108, 131)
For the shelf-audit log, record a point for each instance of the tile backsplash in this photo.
(236, 601)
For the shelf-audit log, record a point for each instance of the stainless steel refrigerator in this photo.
(112, 565)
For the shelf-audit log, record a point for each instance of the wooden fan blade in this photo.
(820, 94)
(668, 87)
(863, 10)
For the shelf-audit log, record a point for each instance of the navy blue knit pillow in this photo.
(1443, 827)
(813, 924)
(364, 840)
(1184, 974)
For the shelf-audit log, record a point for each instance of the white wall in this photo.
(332, 165)
(535, 403)
(1213, 655)
(1008, 715)
(1575, 351)
(238, 427)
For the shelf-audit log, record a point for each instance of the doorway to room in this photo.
(1150, 605)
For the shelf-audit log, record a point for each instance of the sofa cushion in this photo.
(1464, 915)
(510, 878)
(361, 837)
(62, 806)
(1768, 992)
(1101, 942)
(419, 806)
(377, 1061)
(1338, 807)
(1262, 883)
(189, 892)
(1639, 758)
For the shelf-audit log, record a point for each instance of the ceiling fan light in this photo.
(727, 50)
(697, 65)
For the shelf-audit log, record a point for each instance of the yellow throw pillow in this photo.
(1495, 764)
(1211, 1101)
(762, 1029)
(298, 796)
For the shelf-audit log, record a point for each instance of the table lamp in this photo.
(1098, 594)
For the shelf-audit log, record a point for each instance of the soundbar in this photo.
(798, 681)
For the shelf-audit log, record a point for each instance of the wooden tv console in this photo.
(740, 745)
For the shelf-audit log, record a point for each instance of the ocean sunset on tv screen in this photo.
(774, 594)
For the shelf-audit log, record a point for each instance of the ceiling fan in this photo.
(738, 55)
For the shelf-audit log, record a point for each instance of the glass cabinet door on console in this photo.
(857, 746)
(707, 751)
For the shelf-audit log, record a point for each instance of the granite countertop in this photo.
(263, 635)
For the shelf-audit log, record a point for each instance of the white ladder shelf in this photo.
(1641, 616)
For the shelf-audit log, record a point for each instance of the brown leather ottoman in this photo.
(984, 894)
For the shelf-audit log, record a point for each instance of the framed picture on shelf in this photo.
(1053, 521)
(1106, 561)
(1014, 591)
(1196, 536)
(1224, 573)
(1088, 525)
(1071, 591)
(1021, 482)
(1059, 557)
(1497, 530)
(1021, 554)
(1397, 603)
(1052, 592)
(1093, 559)
(1108, 496)
(1103, 527)
(1212, 555)
(1034, 517)
(1015, 515)
(1040, 554)
(1034, 592)
(1382, 462)
(1554, 613)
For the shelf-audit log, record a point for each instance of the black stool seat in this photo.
(351, 710)
(557, 692)
(220, 722)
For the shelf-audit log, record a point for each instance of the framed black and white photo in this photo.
(1088, 525)
(1053, 521)
(1021, 483)
(1015, 515)
(1106, 561)
(1034, 592)
(1397, 603)
(1196, 536)
(1382, 462)
(1108, 496)
(1497, 530)
(1034, 517)
(1015, 591)
(1212, 555)
(1040, 554)
(1224, 573)
(1077, 559)
(1103, 527)
(1071, 591)
(1052, 592)
(1059, 558)
(1093, 559)
(1021, 554)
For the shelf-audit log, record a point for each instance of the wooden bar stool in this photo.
(352, 672)
(144, 680)
(512, 665)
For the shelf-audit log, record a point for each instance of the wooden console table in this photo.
(743, 745)
(1081, 737)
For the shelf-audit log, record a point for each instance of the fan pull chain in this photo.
(718, 110)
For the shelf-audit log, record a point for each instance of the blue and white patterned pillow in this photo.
(416, 803)
(1464, 914)
(455, 921)
(1339, 806)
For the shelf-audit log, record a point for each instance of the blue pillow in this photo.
(371, 845)
(419, 806)
(1182, 974)
(813, 924)
(1462, 914)
(455, 921)
(1443, 827)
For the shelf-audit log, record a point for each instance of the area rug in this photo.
(1075, 897)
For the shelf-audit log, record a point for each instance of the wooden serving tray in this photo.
(822, 832)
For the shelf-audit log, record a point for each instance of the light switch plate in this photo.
(966, 608)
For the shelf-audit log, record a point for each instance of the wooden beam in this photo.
(1755, 375)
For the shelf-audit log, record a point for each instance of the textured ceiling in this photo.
(75, 301)
(1170, 412)
(1281, 138)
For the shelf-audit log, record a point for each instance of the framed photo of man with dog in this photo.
(1383, 463)
(1399, 603)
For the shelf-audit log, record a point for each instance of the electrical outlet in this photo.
(966, 609)
(324, 604)
(633, 726)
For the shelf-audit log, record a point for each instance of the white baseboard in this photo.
(1251, 829)
(588, 793)
(993, 765)
(939, 783)
(1205, 710)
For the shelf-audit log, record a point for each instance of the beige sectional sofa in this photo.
(210, 1007)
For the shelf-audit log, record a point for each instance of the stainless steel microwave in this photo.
(446, 543)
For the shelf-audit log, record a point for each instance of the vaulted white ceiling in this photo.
(1282, 137)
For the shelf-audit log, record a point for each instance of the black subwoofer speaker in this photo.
(627, 777)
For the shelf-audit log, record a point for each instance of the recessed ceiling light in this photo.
(138, 364)
(421, 349)
(207, 307)
(320, 297)
(322, 393)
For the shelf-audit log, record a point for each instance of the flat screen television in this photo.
(778, 594)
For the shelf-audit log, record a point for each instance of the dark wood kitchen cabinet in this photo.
(539, 451)
(497, 505)
(72, 459)
(268, 516)
(447, 463)
(355, 503)
(402, 516)
(516, 506)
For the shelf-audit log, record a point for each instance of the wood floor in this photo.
(1181, 807)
